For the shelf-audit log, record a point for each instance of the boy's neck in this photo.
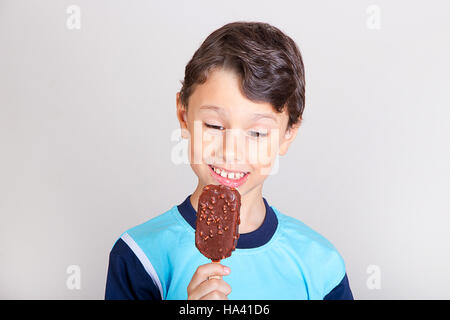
(253, 210)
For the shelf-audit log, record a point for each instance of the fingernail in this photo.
(226, 270)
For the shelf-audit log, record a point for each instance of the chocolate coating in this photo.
(217, 224)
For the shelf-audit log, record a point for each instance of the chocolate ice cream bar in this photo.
(217, 225)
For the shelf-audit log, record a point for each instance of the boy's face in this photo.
(232, 140)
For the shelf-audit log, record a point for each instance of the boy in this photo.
(240, 106)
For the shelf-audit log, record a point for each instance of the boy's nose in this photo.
(234, 147)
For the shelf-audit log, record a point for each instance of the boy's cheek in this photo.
(205, 151)
(265, 169)
(263, 155)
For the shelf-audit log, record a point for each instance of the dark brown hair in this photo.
(268, 62)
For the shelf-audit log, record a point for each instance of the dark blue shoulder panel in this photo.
(341, 292)
(127, 278)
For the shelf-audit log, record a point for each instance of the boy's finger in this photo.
(206, 287)
(214, 295)
(204, 271)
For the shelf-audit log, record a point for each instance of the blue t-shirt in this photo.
(282, 259)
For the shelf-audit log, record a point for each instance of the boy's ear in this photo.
(288, 138)
(182, 117)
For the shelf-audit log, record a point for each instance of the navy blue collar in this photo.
(253, 239)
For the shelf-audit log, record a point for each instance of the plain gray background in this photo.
(87, 115)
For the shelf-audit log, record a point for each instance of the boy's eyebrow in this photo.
(215, 108)
(256, 116)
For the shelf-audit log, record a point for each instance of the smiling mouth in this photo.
(229, 178)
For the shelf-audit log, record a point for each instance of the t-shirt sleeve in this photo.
(341, 292)
(127, 279)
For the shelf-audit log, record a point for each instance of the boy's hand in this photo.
(200, 288)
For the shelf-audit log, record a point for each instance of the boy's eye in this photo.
(214, 126)
(255, 134)
(258, 134)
